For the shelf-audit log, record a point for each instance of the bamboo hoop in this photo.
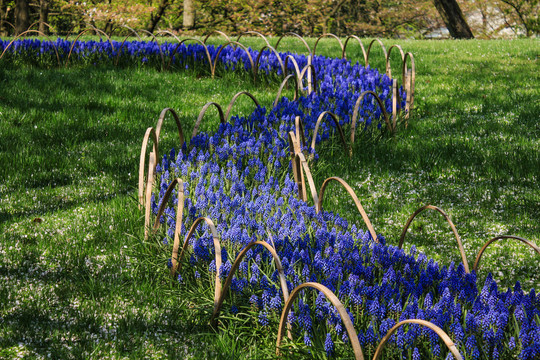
(440, 332)
(303, 169)
(217, 249)
(179, 216)
(369, 49)
(298, 37)
(327, 35)
(46, 24)
(356, 113)
(149, 185)
(502, 237)
(80, 34)
(150, 132)
(351, 192)
(32, 31)
(154, 39)
(236, 265)
(233, 101)
(408, 80)
(298, 174)
(454, 230)
(257, 61)
(295, 64)
(217, 32)
(351, 332)
(299, 129)
(344, 52)
(253, 33)
(10, 24)
(338, 126)
(133, 31)
(125, 39)
(283, 84)
(395, 104)
(177, 121)
(311, 72)
(243, 48)
(201, 115)
(388, 66)
(180, 42)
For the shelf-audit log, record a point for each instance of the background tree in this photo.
(453, 18)
(22, 16)
(525, 12)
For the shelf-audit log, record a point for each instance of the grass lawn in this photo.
(76, 278)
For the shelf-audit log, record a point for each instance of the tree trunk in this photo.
(1, 17)
(454, 19)
(189, 15)
(43, 16)
(154, 19)
(22, 17)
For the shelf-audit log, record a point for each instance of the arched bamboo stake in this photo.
(388, 67)
(338, 126)
(283, 84)
(150, 132)
(32, 31)
(201, 115)
(177, 121)
(311, 76)
(356, 113)
(351, 332)
(303, 169)
(395, 104)
(179, 216)
(149, 185)
(97, 31)
(154, 39)
(299, 129)
(327, 35)
(440, 332)
(298, 174)
(80, 34)
(253, 33)
(126, 27)
(10, 24)
(46, 24)
(217, 249)
(180, 42)
(243, 48)
(233, 100)
(369, 49)
(235, 267)
(344, 52)
(454, 230)
(353, 196)
(501, 237)
(258, 59)
(295, 64)
(124, 41)
(70, 32)
(217, 32)
(297, 36)
(408, 80)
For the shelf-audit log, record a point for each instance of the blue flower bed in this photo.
(239, 178)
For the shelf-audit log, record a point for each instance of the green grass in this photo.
(77, 280)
